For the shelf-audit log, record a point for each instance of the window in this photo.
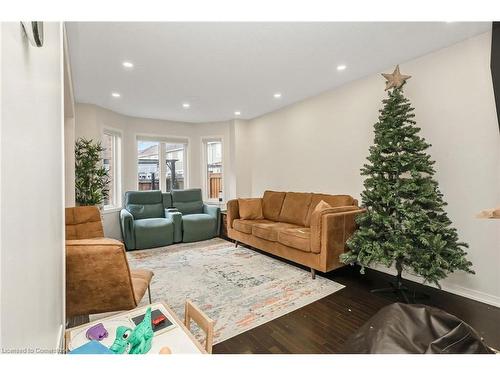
(148, 158)
(172, 168)
(174, 158)
(111, 161)
(213, 160)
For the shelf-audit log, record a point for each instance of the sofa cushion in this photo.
(332, 200)
(188, 201)
(143, 197)
(269, 231)
(245, 226)
(271, 204)
(145, 211)
(322, 205)
(140, 282)
(167, 200)
(83, 222)
(250, 208)
(298, 238)
(295, 208)
(144, 204)
(153, 232)
(198, 227)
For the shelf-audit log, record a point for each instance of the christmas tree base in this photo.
(407, 295)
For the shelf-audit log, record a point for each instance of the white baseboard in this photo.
(476, 295)
(450, 288)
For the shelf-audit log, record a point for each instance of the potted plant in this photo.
(91, 178)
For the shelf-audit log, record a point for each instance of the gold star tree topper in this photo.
(396, 79)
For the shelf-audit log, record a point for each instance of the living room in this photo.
(290, 187)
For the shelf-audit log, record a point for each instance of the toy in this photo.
(97, 332)
(121, 345)
(92, 347)
(159, 320)
(142, 336)
(165, 350)
(136, 341)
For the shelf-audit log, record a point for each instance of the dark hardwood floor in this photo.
(323, 326)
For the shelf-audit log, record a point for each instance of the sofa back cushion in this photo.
(271, 204)
(144, 204)
(250, 208)
(295, 208)
(83, 222)
(188, 201)
(167, 200)
(332, 200)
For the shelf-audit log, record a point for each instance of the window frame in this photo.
(184, 162)
(137, 160)
(204, 152)
(162, 140)
(117, 137)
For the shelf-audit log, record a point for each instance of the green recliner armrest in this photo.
(127, 226)
(176, 217)
(213, 211)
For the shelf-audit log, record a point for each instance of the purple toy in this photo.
(97, 332)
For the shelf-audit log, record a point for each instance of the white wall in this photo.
(32, 222)
(91, 120)
(69, 129)
(69, 161)
(321, 143)
(242, 145)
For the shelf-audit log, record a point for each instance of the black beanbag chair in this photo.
(400, 328)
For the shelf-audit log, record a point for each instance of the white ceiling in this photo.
(223, 67)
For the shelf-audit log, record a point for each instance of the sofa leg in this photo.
(236, 244)
(313, 273)
(149, 294)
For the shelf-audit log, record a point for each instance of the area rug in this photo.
(237, 287)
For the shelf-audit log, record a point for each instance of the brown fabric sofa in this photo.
(292, 229)
(98, 277)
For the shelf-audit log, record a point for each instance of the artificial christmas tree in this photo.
(405, 223)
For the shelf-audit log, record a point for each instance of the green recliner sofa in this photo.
(147, 220)
(199, 220)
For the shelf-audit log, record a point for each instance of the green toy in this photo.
(121, 345)
(136, 341)
(142, 336)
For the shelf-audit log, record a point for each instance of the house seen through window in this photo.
(213, 149)
(148, 157)
(165, 175)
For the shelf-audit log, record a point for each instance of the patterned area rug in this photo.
(237, 287)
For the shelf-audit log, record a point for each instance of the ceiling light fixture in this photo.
(341, 67)
(115, 94)
(186, 105)
(237, 113)
(127, 64)
(277, 95)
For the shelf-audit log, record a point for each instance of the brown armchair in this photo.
(98, 277)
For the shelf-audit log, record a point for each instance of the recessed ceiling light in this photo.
(115, 94)
(127, 64)
(237, 113)
(186, 105)
(277, 95)
(341, 67)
